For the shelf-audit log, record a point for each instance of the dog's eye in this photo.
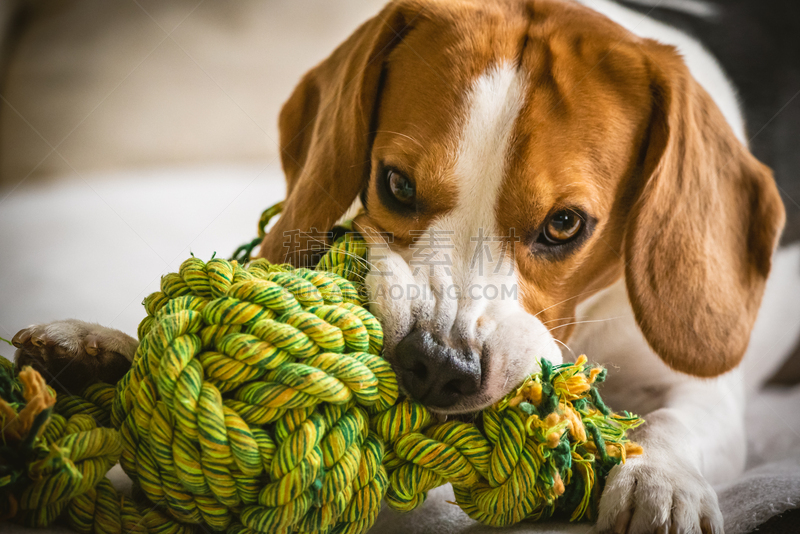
(401, 187)
(562, 227)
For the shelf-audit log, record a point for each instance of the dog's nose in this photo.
(435, 374)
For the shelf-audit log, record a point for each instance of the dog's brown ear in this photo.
(701, 234)
(325, 135)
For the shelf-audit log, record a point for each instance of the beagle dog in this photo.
(540, 179)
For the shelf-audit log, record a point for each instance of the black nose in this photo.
(435, 374)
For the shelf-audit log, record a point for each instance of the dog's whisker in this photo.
(562, 302)
(346, 253)
(570, 318)
(566, 347)
(584, 322)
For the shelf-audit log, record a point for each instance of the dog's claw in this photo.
(91, 345)
(21, 338)
(42, 341)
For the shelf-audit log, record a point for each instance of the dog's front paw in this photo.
(658, 492)
(73, 354)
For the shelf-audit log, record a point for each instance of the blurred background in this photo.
(136, 132)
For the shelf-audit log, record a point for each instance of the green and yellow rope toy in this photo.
(258, 402)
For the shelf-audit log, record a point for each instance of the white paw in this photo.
(658, 492)
(72, 354)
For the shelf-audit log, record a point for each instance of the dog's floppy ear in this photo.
(701, 234)
(325, 135)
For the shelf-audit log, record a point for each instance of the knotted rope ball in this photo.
(258, 402)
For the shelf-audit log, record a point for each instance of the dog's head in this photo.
(513, 158)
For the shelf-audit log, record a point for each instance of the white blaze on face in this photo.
(461, 269)
(480, 263)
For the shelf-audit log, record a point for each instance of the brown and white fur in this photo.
(501, 113)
